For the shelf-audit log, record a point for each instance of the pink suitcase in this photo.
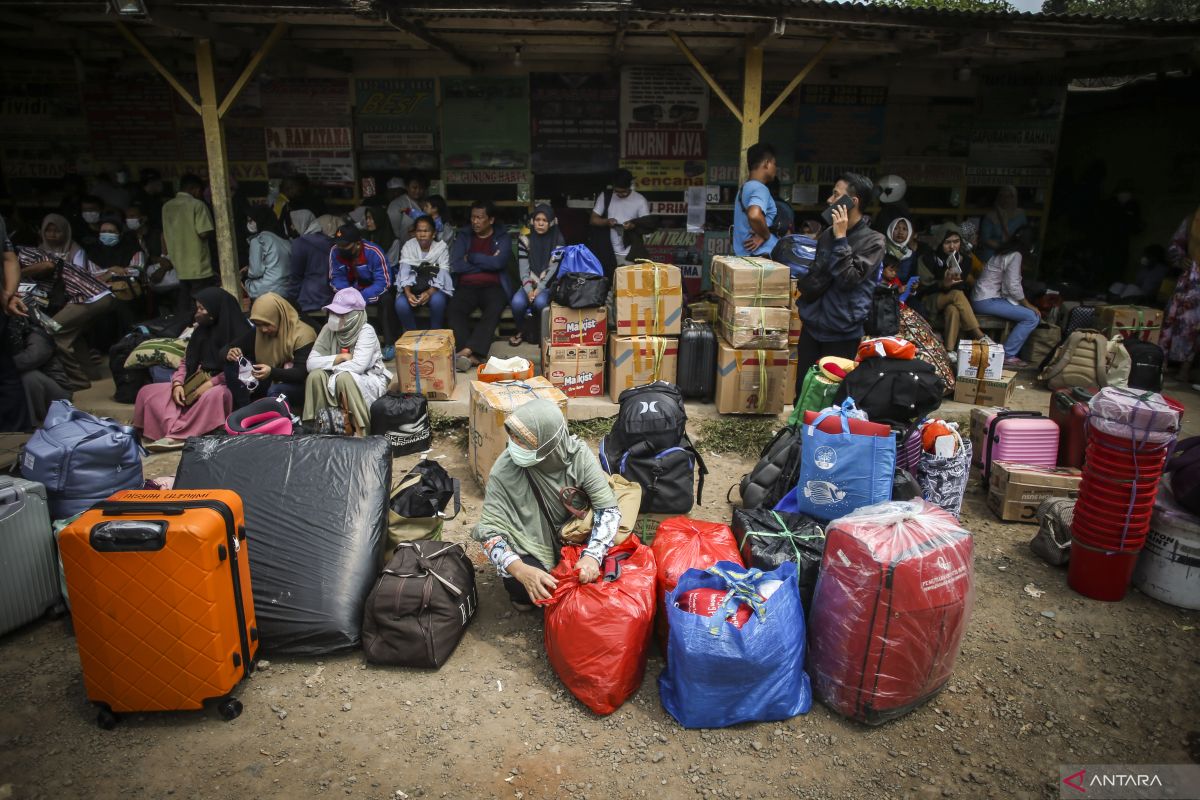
(1023, 437)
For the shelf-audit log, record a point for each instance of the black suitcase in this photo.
(1146, 372)
(697, 374)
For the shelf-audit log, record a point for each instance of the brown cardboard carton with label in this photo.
(582, 326)
(751, 281)
(649, 299)
(752, 381)
(1016, 490)
(425, 363)
(638, 360)
(491, 403)
(577, 370)
(754, 327)
(987, 392)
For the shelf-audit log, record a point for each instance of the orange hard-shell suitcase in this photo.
(160, 600)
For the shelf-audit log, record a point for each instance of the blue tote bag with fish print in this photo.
(840, 472)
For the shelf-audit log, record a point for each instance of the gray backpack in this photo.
(775, 474)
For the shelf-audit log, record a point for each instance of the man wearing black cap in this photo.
(358, 264)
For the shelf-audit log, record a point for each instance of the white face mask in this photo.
(91, 217)
(133, 224)
(252, 227)
(335, 321)
(529, 458)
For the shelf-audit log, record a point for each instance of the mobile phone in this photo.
(845, 200)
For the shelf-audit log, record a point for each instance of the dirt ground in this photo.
(1040, 682)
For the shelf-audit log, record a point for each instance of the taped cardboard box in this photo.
(1016, 490)
(795, 326)
(979, 419)
(751, 281)
(1132, 322)
(986, 392)
(638, 360)
(491, 403)
(752, 381)
(425, 363)
(576, 370)
(649, 300)
(754, 327)
(581, 326)
(975, 354)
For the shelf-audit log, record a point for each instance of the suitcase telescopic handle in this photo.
(137, 509)
(129, 536)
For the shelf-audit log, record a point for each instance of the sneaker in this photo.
(1012, 362)
(952, 357)
(164, 445)
(462, 363)
(389, 352)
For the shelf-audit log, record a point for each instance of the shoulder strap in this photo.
(687, 444)
(537, 495)
(608, 195)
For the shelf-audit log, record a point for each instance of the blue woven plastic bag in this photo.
(578, 258)
(719, 675)
(840, 472)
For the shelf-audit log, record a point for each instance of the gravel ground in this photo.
(1040, 681)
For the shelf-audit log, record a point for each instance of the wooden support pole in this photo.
(712, 84)
(158, 65)
(275, 35)
(218, 170)
(796, 81)
(751, 105)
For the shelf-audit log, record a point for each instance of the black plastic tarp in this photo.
(316, 511)
(769, 538)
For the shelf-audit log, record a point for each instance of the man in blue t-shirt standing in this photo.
(754, 208)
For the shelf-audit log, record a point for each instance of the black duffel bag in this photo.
(893, 391)
(402, 419)
(580, 290)
(420, 606)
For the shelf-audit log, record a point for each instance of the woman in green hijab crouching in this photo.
(522, 509)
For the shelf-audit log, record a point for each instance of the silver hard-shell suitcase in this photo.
(28, 562)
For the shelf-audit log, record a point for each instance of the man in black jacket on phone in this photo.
(836, 294)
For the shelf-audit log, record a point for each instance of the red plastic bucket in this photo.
(1110, 497)
(1146, 478)
(1085, 532)
(1101, 574)
(1125, 449)
(1110, 526)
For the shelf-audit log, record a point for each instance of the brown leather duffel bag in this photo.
(420, 605)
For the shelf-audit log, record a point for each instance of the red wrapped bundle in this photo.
(682, 543)
(597, 633)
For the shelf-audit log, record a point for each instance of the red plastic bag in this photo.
(597, 633)
(682, 543)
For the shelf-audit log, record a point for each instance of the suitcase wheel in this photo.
(230, 709)
(105, 718)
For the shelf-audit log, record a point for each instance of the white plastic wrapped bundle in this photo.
(892, 603)
(1144, 417)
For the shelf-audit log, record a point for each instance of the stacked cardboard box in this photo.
(491, 403)
(1016, 490)
(649, 309)
(573, 342)
(756, 322)
(1132, 322)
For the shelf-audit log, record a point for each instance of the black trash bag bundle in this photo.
(769, 538)
(402, 419)
(316, 516)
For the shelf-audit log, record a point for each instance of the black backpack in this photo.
(402, 419)
(1146, 371)
(893, 391)
(580, 290)
(127, 382)
(649, 446)
(776, 473)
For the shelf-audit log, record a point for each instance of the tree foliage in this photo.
(1171, 9)
(951, 5)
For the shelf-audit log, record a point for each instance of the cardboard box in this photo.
(751, 281)
(752, 381)
(582, 326)
(576, 371)
(795, 326)
(793, 368)
(1133, 322)
(986, 392)
(973, 354)
(979, 418)
(1016, 490)
(638, 360)
(649, 300)
(425, 363)
(491, 403)
(754, 327)
(703, 311)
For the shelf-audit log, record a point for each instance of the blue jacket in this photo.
(372, 276)
(839, 314)
(464, 262)
(310, 271)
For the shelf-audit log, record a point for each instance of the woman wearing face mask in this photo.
(270, 255)
(522, 513)
(277, 353)
(945, 280)
(66, 288)
(117, 259)
(534, 250)
(424, 277)
(197, 400)
(899, 243)
(345, 366)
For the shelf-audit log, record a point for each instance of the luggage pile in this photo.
(574, 328)
(755, 313)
